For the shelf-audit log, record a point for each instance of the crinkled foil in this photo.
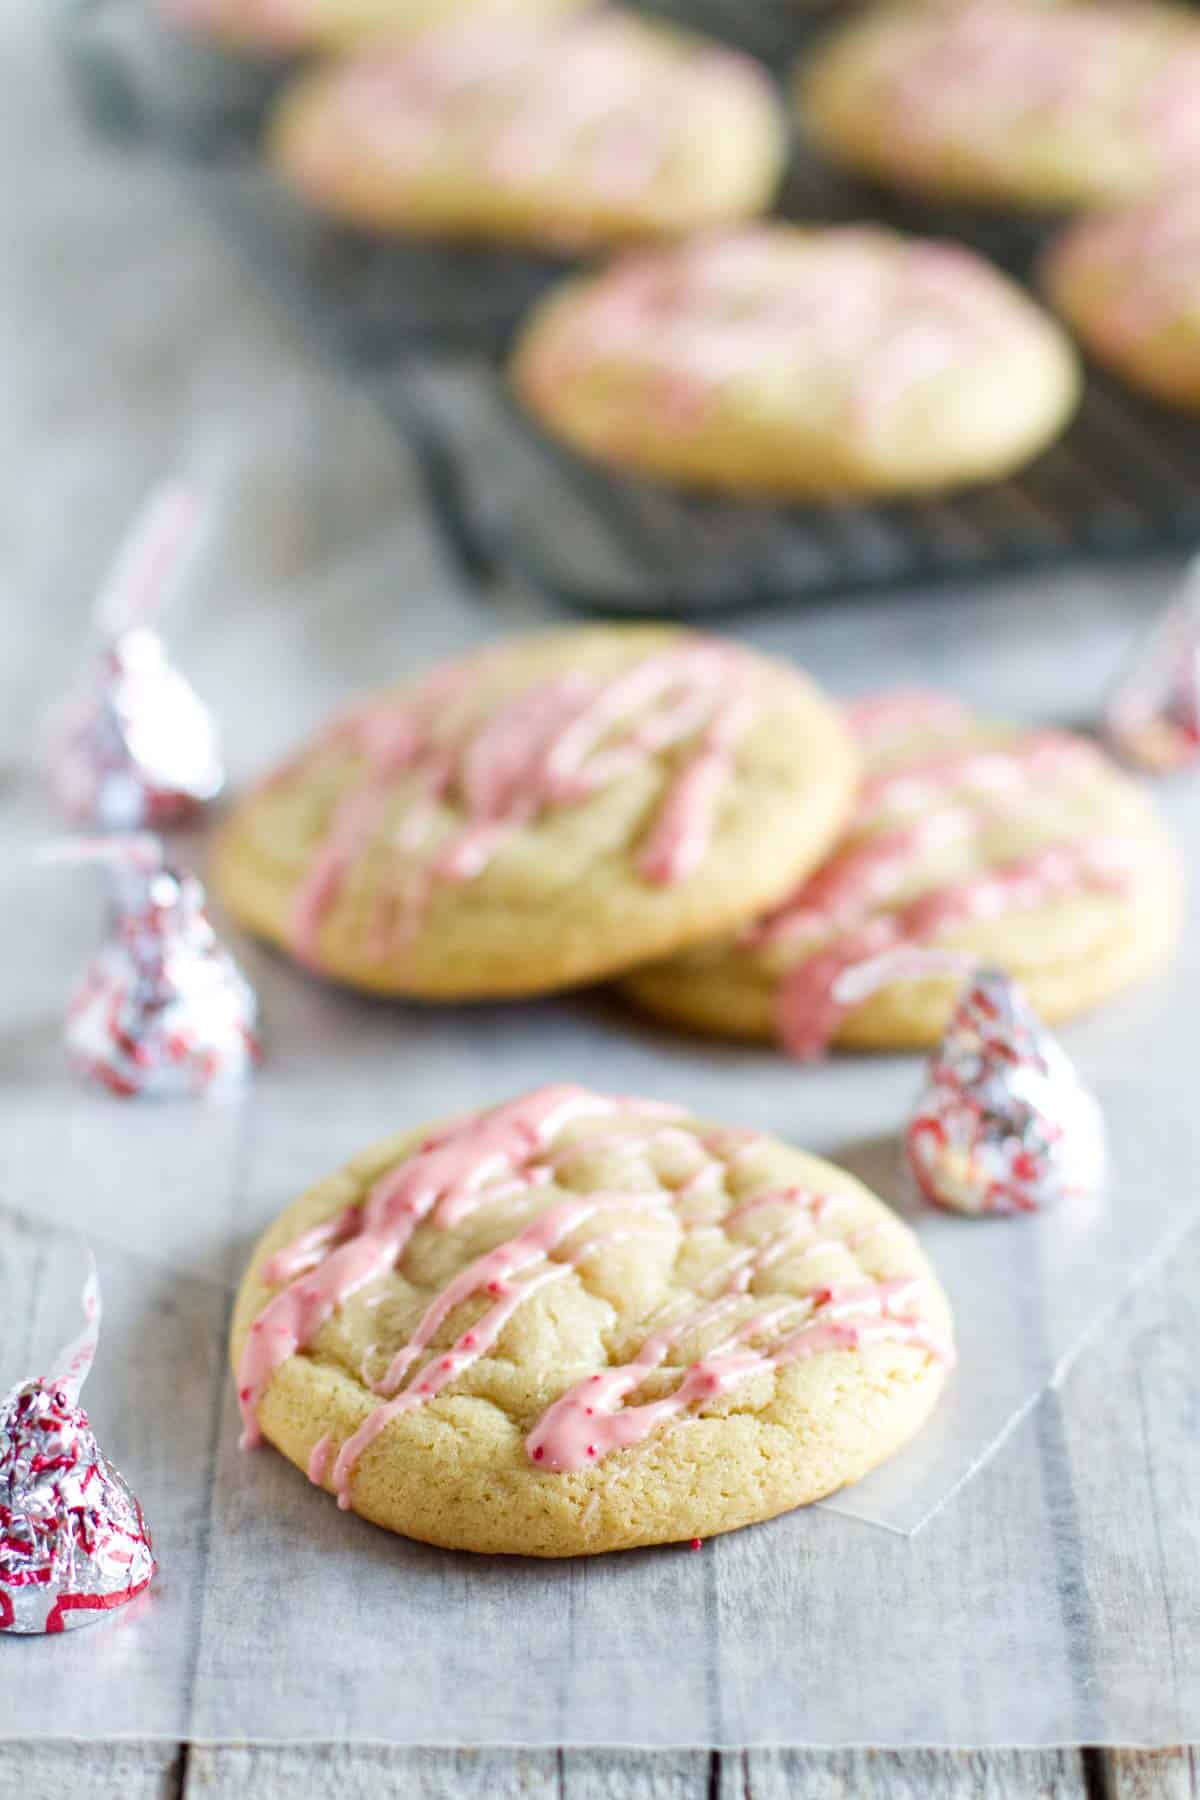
(1153, 717)
(136, 746)
(1004, 1124)
(162, 1010)
(73, 1541)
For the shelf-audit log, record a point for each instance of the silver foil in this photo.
(163, 1009)
(73, 1542)
(134, 746)
(1152, 719)
(1004, 1124)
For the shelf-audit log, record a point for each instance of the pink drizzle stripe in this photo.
(511, 1149)
(809, 1013)
(838, 918)
(443, 1181)
(586, 93)
(853, 301)
(550, 747)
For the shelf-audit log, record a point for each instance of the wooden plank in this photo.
(365, 1772)
(1131, 1443)
(640, 1775)
(261, 1772)
(1152, 1774)
(133, 1771)
(903, 1775)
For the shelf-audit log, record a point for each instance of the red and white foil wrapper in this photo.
(73, 1542)
(163, 1010)
(134, 746)
(1004, 1123)
(1152, 719)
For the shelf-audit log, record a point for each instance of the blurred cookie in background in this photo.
(1010, 102)
(595, 131)
(796, 362)
(283, 27)
(1128, 281)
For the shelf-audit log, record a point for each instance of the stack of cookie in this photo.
(575, 1322)
(702, 823)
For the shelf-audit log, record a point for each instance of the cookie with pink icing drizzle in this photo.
(282, 27)
(576, 1322)
(1128, 281)
(1011, 102)
(598, 130)
(799, 362)
(541, 813)
(1025, 849)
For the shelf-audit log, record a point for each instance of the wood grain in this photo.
(1153, 1774)
(165, 1771)
(262, 1773)
(90, 1771)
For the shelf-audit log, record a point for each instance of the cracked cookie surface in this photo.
(577, 1323)
(542, 812)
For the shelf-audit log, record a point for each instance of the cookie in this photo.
(600, 130)
(541, 813)
(1011, 103)
(1026, 848)
(282, 27)
(575, 1323)
(799, 363)
(1128, 282)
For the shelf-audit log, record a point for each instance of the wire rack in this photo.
(426, 328)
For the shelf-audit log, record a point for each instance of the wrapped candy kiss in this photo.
(1003, 1124)
(134, 746)
(73, 1542)
(162, 1009)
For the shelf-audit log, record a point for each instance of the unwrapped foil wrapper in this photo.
(73, 1542)
(1152, 719)
(134, 746)
(162, 1010)
(1004, 1124)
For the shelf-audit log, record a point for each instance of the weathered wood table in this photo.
(130, 340)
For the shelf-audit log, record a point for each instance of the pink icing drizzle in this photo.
(808, 1012)
(444, 1180)
(855, 302)
(839, 905)
(510, 1148)
(588, 1421)
(552, 746)
(594, 92)
(994, 65)
(992, 768)
(318, 1462)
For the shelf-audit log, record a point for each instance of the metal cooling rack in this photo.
(419, 323)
